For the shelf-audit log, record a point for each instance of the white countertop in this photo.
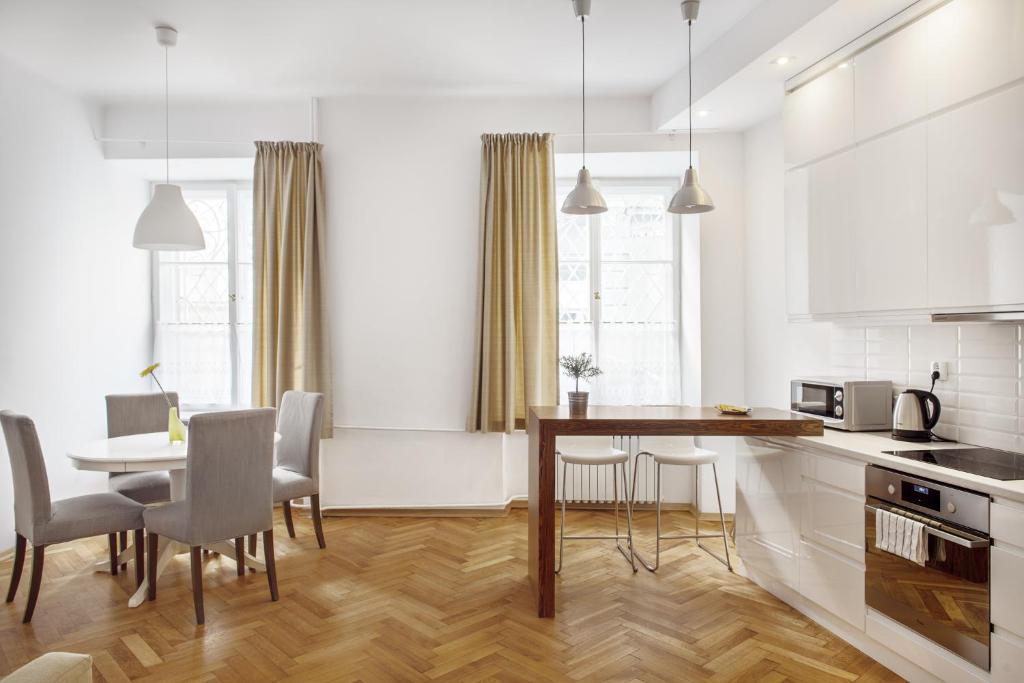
(868, 447)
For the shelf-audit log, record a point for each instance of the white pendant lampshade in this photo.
(168, 224)
(584, 198)
(691, 197)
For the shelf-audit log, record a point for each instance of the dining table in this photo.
(148, 453)
(546, 423)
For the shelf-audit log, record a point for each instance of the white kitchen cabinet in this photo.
(890, 81)
(818, 117)
(797, 258)
(1007, 598)
(973, 47)
(976, 203)
(890, 224)
(831, 237)
(833, 518)
(1007, 657)
(768, 509)
(833, 581)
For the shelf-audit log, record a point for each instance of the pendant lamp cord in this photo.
(583, 31)
(167, 120)
(689, 79)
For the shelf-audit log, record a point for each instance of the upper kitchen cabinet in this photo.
(976, 202)
(797, 258)
(890, 81)
(832, 235)
(890, 231)
(973, 47)
(818, 117)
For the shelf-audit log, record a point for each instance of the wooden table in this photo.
(547, 422)
(148, 453)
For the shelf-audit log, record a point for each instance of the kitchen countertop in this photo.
(868, 447)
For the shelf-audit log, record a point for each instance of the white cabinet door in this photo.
(767, 508)
(1007, 657)
(831, 239)
(832, 581)
(973, 46)
(890, 231)
(797, 257)
(976, 203)
(834, 519)
(818, 117)
(890, 81)
(1007, 598)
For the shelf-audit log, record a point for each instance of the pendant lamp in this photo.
(167, 224)
(584, 198)
(691, 197)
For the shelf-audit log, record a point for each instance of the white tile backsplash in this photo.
(983, 397)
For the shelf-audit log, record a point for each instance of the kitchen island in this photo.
(545, 423)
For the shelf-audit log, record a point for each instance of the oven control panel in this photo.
(944, 501)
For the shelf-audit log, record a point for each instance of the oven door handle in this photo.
(959, 538)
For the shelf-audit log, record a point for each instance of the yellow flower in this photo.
(149, 371)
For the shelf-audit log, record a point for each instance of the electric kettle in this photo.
(911, 419)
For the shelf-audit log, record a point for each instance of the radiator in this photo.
(591, 485)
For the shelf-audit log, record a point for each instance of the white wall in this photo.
(75, 308)
(775, 350)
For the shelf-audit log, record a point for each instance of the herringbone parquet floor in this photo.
(429, 599)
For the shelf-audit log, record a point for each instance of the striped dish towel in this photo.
(900, 536)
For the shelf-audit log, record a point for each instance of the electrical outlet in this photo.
(942, 368)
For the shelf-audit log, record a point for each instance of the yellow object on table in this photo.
(728, 409)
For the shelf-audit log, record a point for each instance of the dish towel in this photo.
(901, 536)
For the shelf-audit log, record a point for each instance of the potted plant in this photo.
(579, 367)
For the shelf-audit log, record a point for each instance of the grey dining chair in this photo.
(129, 414)
(228, 493)
(297, 473)
(42, 522)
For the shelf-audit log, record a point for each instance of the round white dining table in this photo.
(148, 453)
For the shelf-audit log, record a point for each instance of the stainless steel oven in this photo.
(947, 599)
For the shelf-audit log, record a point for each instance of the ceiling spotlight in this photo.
(843, 65)
(782, 61)
(703, 112)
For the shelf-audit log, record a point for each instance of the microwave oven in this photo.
(853, 405)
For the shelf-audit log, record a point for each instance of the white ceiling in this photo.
(105, 49)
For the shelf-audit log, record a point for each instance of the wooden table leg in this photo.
(541, 534)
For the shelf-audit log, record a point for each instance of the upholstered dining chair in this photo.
(228, 493)
(297, 473)
(42, 522)
(129, 414)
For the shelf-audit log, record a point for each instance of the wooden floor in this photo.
(417, 599)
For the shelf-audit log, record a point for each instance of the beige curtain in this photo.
(291, 348)
(517, 295)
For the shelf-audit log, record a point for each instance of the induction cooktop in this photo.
(984, 462)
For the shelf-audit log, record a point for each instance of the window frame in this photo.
(671, 186)
(231, 188)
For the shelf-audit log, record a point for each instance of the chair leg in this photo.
(196, 562)
(19, 563)
(629, 515)
(268, 559)
(37, 579)
(152, 545)
(112, 538)
(139, 536)
(318, 524)
(561, 529)
(286, 507)
(240, 555)
(721, 518)
(124, 546)
(252, 544)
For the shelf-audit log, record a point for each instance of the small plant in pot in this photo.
(579, 367)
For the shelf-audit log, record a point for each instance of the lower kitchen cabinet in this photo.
(1007, 657)
(833, 581)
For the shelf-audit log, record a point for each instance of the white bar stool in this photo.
(597, 457)
(692, 457)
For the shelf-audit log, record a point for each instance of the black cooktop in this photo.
(984, 462)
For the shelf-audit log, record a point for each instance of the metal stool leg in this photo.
(631, 555)
(724, 536)
(561, 531)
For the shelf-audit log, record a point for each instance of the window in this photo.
(619, 292)
(203, 302)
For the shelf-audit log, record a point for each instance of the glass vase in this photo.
(175, 427)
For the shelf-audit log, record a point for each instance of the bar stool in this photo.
(598, 457)
(689, 457)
